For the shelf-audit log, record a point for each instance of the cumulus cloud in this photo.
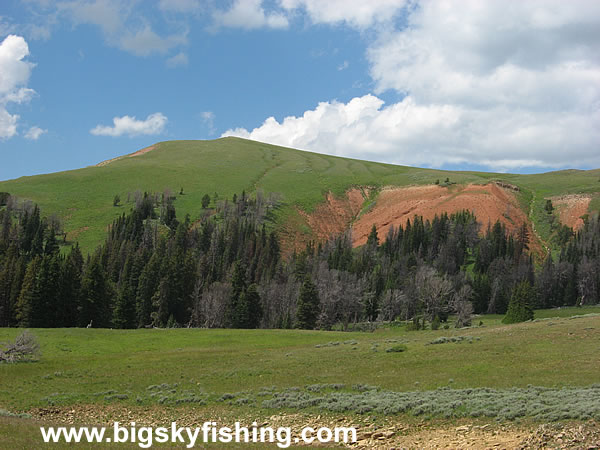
(8, 123)
(14, 76)
(359, 14)
(435, 135)
(130, 126)
(501, 84)
(249, 14)
(34, 133)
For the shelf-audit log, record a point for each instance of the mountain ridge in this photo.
(83, 198)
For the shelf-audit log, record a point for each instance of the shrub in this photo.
(397, 348)
(24, 348)
(538, 403)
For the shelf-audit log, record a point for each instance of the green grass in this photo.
(199, 366)
(190, 374)
(83, 198)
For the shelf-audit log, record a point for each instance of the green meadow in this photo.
(543, 370)
(142, 367)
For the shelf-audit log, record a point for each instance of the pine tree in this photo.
(205, 201)
(124, 310)
(70, 289)
(237, 310)
(519, 307)
(28, 303)
(253, 307)
(147, 286)
(95, 295)
(51, 246)
(308, 306)
(373, 239)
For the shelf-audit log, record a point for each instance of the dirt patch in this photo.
(335, 215)
(570, 208)
(142, 151)
(380, 433)
(395, 206)
(131, 155)
(74, 234)
(332, 217)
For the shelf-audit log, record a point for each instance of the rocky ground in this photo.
(373, 432)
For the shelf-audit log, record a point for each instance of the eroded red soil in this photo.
(131, 155)
(570, 208)
(336, 214)
(395, 206)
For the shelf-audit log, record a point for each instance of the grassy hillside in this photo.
(83, 198)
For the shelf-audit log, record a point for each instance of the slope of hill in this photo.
(308, 182)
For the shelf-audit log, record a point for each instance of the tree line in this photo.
(225, 269)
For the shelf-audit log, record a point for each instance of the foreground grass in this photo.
(97, 376)
(181, 366)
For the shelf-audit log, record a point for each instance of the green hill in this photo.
(83, 198)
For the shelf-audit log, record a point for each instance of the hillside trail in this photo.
(530, 215)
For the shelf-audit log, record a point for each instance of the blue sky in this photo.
(504, 86)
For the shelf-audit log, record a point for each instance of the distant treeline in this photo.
(226, 270)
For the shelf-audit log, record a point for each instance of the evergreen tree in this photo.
(205, 201)
(253, 308)
(28, 303)
(373, 238)
(96, 296)
(147, 286)
(519, 307)
(124, 310)
(237, 311)
(70, 289)
(308, 306)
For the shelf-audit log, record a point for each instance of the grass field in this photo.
(83, 198)
(98, 375)
(139, 367)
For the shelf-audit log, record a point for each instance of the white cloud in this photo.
(130, 126)
(122, 25)
(34, 133)
(14, 72)
(208, 117)
(14, 76)
(144, 41)
(249, 14)
(180, 6)
(435, 135)
(343, 66)
(501, 84)
(180, 59)
(8, 123)
(109, 15)
(359, 14)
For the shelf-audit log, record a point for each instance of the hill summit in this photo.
(321, 194)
